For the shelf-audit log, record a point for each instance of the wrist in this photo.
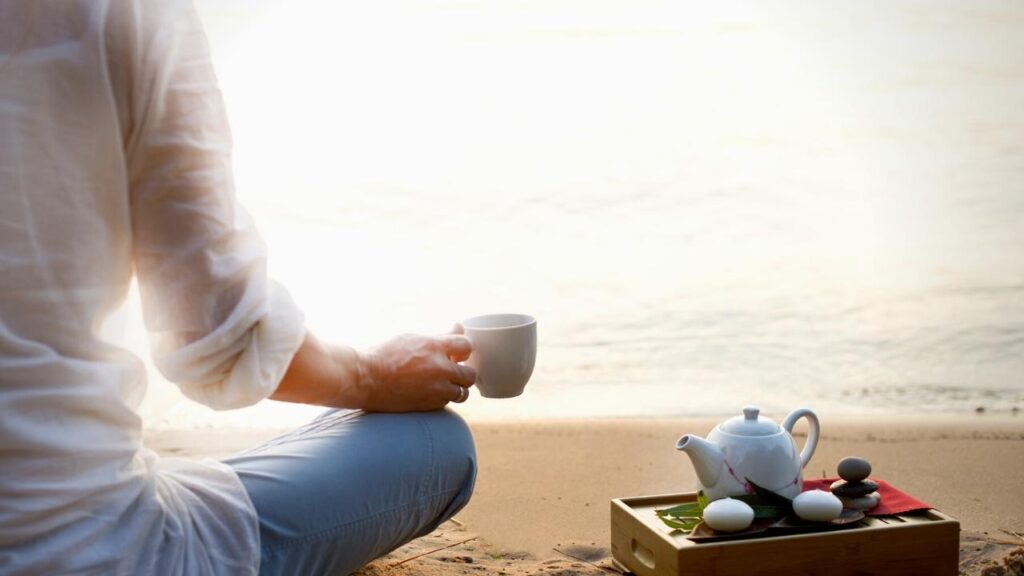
(354, 375)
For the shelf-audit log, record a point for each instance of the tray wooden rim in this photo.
(628, 505)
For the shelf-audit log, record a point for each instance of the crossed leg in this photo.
(352, 486)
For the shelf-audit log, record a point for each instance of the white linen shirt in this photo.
(114, 161)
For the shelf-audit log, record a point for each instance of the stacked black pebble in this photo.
(855, 490)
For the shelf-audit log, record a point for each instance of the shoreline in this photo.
(546, 485)
(985, 419)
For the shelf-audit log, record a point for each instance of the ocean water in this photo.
(704, 204)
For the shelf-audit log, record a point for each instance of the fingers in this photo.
(457, 329)
(462, 375)
(421, 372)
(457, 347)
(440, 394)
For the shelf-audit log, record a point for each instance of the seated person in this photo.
(114, 162)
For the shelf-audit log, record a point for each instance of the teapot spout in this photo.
(706, 457)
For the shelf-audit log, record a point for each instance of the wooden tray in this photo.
(923, 543)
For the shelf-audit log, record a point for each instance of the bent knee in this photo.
(453, 446)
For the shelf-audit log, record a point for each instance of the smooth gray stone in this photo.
(854, 469)
(845, 489)
(866, 502)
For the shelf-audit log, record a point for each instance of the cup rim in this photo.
(524, 320)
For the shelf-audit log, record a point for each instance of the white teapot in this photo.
(751, 447)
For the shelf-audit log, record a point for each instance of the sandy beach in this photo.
(543, 492)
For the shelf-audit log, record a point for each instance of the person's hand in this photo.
(416, 373)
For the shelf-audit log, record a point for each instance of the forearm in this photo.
(321, 374)
(406, 374)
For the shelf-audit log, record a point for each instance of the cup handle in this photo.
(812, 434)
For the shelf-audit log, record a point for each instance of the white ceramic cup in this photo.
(504, 351)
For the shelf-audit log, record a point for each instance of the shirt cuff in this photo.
(260, 365)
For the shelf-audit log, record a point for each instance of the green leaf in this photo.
(773, 512)
(688, 509)
(769, 496)
(685, 525)
(765, 507)
(702, 501)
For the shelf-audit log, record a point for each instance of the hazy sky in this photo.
(681, 192)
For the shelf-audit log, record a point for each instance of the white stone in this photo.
(817, 506)
(728, 515)
(866, 502)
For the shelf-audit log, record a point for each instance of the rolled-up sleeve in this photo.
(221, 330)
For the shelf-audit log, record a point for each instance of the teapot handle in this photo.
(812, 433)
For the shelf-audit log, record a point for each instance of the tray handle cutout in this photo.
(642, 554)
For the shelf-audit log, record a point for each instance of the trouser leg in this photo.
(352, 486)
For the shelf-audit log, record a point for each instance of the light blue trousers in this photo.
(352, 486)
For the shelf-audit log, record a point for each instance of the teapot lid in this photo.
(750, 424)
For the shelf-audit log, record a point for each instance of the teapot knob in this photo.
(751, 412)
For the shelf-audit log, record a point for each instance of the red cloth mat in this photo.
(893, 501)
